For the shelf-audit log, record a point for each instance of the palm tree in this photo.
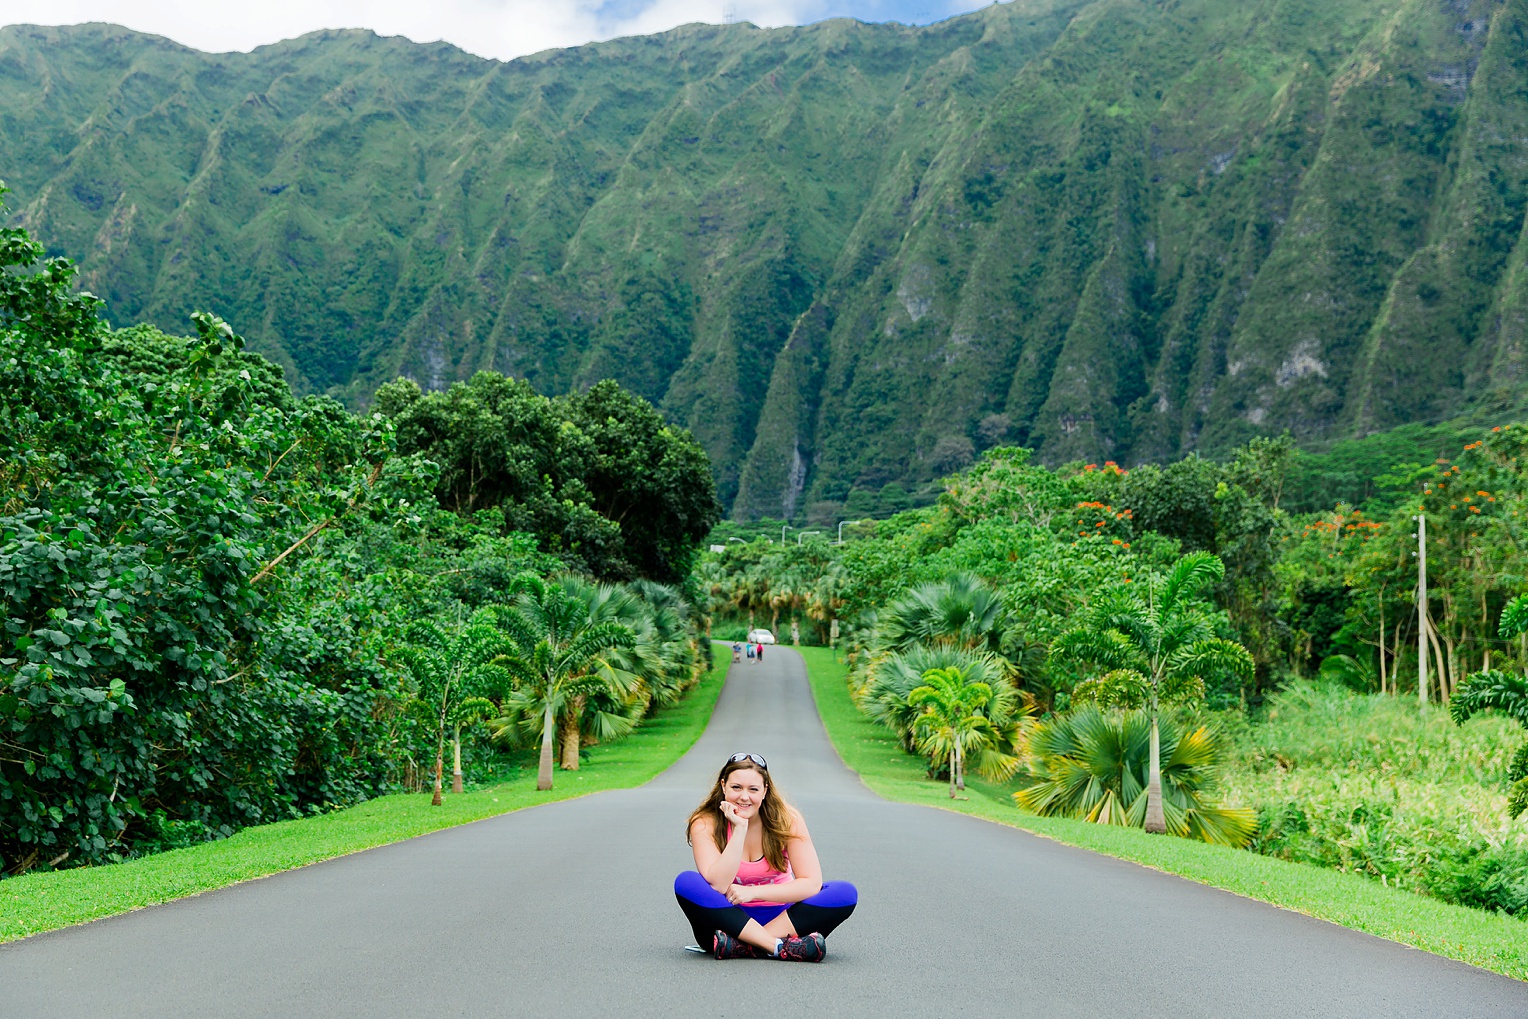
(790, 592)
(750, 591)
(950, 726)
(467, 712)
(826, 599)
(655, 670)
(893, 677)
(451, 672)
(1506, 692)
(677, 659)
(1156, 643)
(961, 611)
(782, 596)
(553, 657)
(716, 589)
(1093, 765)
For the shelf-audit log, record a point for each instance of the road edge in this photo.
(29, 904)
(1486, 941)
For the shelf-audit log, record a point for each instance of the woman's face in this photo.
(745, 789)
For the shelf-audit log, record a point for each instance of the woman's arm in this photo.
(718, 868)
(804, 864)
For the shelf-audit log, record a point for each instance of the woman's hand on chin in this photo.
(729, 811)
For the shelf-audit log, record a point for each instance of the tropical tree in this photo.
(655, 669)
(1156, 643)
(1094, 764)
(961, 611)
(675, 659)
(950, 726)
(891, 679)
(825, 600)
(598, 475)
(552, 658)
(468, 711)
(1004, 485)
(452, 672)
(715, 583)
(750, 591)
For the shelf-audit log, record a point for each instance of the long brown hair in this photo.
(774, 813)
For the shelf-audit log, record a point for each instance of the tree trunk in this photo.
(795, 632)
(1436, 646)
(833, 632)
(440, 753)
(1381, 640)
(960, 768)
(456, 761)
(570, 735)
(953, 772)
(544, 768)
(1156, 820)
(1447, 689)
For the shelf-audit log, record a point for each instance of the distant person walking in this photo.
(758, 655)
(750, 651)
(737, 651)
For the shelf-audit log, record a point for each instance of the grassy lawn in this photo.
(1493, 942)
(40, 902)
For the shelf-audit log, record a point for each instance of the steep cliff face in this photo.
(844, 255)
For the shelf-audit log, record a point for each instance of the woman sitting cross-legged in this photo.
(759, 885)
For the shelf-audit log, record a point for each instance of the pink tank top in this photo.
(759, 872)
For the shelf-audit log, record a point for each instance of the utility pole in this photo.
(1422, 607)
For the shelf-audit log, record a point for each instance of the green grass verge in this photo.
(40, 902)
(1498, 943)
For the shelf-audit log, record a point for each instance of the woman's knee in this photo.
(834, 894)
(694, 888)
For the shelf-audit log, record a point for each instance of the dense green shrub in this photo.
(205, 580)
(1375, 785)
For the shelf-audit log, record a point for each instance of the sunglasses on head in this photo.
(755, 758)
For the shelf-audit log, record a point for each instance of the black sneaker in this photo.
(812, 948)
(725, 946)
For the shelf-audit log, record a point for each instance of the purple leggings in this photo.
(709, 911)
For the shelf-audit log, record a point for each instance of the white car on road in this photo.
(760, 637)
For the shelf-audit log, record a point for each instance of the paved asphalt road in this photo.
(567, 910)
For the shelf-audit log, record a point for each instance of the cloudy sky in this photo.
(490, 28)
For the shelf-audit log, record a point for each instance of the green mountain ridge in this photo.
(843, 254)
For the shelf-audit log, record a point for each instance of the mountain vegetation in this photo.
(845, 256)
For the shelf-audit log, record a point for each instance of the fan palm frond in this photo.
(1094, 765)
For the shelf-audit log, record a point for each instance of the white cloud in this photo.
(490, 28)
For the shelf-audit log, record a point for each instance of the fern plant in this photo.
(1495, 690)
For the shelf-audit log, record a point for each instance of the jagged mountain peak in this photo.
(846, 255)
